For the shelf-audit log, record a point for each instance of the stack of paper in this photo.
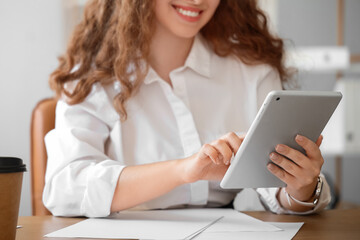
(178, 224)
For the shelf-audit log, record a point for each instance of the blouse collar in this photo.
(198, 60)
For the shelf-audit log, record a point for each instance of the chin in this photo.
(185, 33)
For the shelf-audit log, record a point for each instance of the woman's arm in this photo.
(80, 178)
(138, 184)
(142, 183)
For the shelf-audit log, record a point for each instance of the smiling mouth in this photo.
(188, 12)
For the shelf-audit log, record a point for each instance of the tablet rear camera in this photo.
(277, 99)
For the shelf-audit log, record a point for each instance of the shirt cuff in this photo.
(101, 183)
(268, 198)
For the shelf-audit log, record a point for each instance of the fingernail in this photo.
(299, 138)
(270, 167)
(280, 148)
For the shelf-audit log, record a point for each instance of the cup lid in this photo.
(11, 164)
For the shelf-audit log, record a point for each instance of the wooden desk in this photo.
(331, 224)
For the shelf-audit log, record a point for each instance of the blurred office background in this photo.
(33, 33)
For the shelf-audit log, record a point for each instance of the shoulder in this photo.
(98, 103)
(235, 68)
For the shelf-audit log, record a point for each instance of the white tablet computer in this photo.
(283, 115)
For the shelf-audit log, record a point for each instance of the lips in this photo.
(188, 13)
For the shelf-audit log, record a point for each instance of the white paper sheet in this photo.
(289, 231)
(138, 224)
(163, 224)
(195, 234)
(234, 221)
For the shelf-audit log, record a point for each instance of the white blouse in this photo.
(210, 97)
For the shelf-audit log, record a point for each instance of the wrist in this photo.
(182, 171)
(290, 202)
(313, 200)
(304, 194)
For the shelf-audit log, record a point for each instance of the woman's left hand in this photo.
(302, 172)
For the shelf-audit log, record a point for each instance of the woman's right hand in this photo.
(213, 159)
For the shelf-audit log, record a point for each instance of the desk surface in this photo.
(331, 224)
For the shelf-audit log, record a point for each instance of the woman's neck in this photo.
(168, 52)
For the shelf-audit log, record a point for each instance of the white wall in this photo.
(31, 38)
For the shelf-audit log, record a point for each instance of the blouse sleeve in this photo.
(80, 178)
(268, 198)
(271, 81)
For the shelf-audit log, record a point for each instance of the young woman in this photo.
(153, 95)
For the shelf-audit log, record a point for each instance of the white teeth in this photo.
(187, 13)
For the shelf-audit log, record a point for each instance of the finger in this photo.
(285, 164)
(312, 150)
(319, 140)
(233, 140)
(208, 151)
(296, 156)
(307, 167)
(242, 136)
(281, 174)
(306, 170)
(224, 150)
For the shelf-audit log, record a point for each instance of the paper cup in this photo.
(11, 174)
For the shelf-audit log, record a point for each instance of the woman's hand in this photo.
(302, 172)
(213, 159)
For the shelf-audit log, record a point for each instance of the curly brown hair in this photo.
(112, 43)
